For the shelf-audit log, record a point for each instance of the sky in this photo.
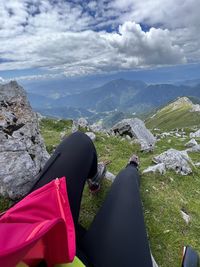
(52, 39)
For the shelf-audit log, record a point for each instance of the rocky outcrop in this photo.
(176, 160)
(136, 129)
(22, 150)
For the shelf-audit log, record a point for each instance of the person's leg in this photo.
(76, 159)
(117, 236)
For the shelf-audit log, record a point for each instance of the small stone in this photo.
(110, 176)
(195, 134)
(91, 135)
(191, 143)
(185, 216)
(157, 168)
(82, 122)
(74, 127)
(128, 137)
(194, 149)
(62, 135)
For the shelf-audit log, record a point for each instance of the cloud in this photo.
(79, 37)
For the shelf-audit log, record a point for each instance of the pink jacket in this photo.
(39, 226)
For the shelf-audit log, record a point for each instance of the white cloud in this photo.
(64, 36)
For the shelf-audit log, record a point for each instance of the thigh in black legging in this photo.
(76, 159)
(117, 236)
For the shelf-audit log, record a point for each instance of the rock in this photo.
(91, 135)
(185, 216)
(110, 176)
(157, 168)
(74, 127)
(136, 128)
(128, 137)
(194, 149)
(195, 134)
(97, 127)
(62, 135)
(191, 143)
(82, 122)
(22, 149)
(175, 160)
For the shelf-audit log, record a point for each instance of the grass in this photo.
(163, 196)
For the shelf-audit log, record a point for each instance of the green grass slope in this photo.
(163, 196)
(175, 115)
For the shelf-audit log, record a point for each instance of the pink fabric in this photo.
(39, 226)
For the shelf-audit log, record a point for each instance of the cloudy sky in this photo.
(52, 38)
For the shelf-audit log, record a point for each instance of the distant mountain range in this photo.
(123, 96)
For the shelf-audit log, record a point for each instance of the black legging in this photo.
(117, 236)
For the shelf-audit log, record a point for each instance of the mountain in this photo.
(128, 96)
(181, 113)
(111, 96)
(115, 96)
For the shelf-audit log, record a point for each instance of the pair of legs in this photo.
(117, 235)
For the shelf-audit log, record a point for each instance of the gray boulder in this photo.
(176, 160)
(22, 149)
(136, 129)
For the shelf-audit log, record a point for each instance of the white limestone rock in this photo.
(136, 129)
(195, 134)
(185, 217)
(74, 127)
(82, 122)
(91, 135)
(156, 168)
(191, 143)
(22, 149)
(97, 127)
(194, 149)
(110, 176)
(176, 160)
